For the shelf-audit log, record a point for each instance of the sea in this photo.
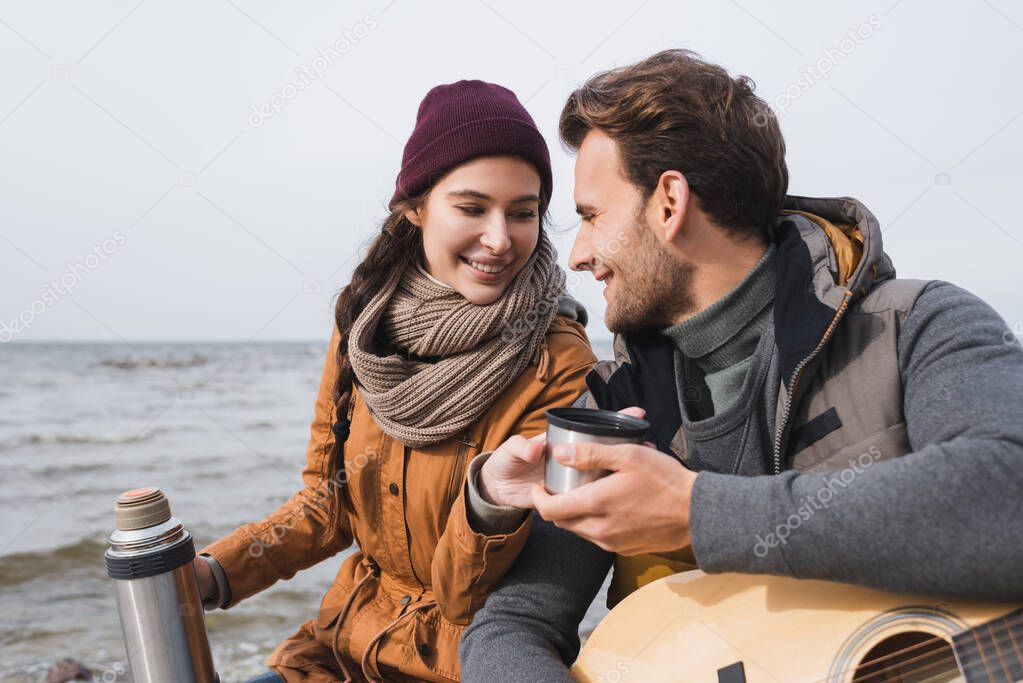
(221, 428)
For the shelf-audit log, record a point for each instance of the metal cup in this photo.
(585, 425)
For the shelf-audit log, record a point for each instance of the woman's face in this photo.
(480, 224)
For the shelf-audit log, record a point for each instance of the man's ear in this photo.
(671, 201)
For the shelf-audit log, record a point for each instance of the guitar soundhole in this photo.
(909, 657)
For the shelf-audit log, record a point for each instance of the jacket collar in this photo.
(830, 254)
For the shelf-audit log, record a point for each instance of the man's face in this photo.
(645, 284)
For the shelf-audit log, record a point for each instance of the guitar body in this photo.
(691, 626)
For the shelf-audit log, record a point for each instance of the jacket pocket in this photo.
(884, 444)
(434, 651)
(812, 431)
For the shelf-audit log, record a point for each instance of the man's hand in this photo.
(641, 507)
(508, 475)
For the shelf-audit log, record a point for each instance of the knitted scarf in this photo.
(460, 356)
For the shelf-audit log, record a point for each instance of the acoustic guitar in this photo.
(742, 628)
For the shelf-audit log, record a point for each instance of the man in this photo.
(811, 415)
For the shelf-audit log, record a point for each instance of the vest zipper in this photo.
(779, 432)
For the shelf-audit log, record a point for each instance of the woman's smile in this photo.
(486, 271)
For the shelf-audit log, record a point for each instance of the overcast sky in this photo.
(142, 172)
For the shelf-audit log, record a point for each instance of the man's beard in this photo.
(653, 288)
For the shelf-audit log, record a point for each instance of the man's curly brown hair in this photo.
(674, 111)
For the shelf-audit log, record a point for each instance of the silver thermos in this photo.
(150, 559)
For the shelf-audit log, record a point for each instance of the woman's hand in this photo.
(204, 576)
(508, 475)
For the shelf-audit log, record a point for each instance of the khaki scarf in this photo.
(463, 355)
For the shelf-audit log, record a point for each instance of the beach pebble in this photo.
(68, 669)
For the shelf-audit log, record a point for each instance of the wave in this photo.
(65, 470)
(83, 556)
(136, 362)
(81, 439)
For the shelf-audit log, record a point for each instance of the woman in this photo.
(453, 335)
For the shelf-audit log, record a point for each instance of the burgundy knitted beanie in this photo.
(462, 121)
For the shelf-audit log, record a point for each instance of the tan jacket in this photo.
(398, 605)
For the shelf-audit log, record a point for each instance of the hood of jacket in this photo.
(830, 254)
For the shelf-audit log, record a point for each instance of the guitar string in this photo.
(1012, 640)
(896, 667)
(937, 639)
(945, 658)
(931, 641)
(1015, 620)
(1011, 622)
(888, 668)
(899, 653)
(998, 650)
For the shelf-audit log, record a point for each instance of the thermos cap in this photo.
(141, 508)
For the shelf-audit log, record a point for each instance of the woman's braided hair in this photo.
(398, 246)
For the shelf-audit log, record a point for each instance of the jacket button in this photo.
(393, 488)
(424, 650)
(406, 599)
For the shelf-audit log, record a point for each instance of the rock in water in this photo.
(68, 669)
